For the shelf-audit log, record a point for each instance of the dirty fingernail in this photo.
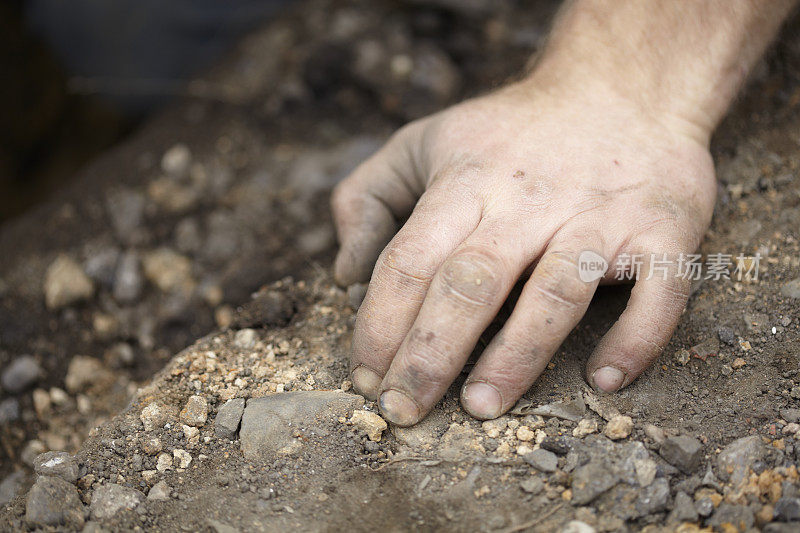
(398, 408)
(482, 400)
(366, 382)
(608, 378)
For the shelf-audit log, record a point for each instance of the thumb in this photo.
(369, 204)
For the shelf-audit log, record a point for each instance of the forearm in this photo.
(683, 60)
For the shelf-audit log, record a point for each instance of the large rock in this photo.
(110, 499)
(737, 457)
(66, 283)
(53, 502)
(268, 423)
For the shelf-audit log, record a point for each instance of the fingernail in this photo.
(482, 400)
(608, 378)
(398, 408)
(366, 382)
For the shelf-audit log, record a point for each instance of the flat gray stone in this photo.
(269, 423)
(542, 460)
(110, 499)
(58, 464)
(683, 509)
(54, 502)
(226, 424)
(683, 452)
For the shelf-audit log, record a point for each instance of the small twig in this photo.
(537, 520)
(400, 460)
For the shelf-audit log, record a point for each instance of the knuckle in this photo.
(474, 276)
(556, 279)
(401, 260)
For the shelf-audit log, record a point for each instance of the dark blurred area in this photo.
(79, 75)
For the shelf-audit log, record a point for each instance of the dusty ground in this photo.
(298, 106)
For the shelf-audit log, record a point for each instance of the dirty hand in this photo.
(494, 186)
(515, 186)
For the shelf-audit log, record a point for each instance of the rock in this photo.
(56, 464)
(187, 236)
(169, 271)
(83, 372)
(66, 284)
(532, 485)
(160, 491)
(125, 209)
(181, 458)
(726, 335)
(20, 374)
(128, 280)
(683, 509)
(175, 161)
(152, 446)
(369, 423)
(155, 415)
(164, 462)
(791, 289)
(737, 457)
(245, 338)
(110, 499)
(787, 510)
(268, 423)
(619, 427)
(727, 514)
(224, 235)
(542, 460)
(557, 445)
(791, 414)
(195, 412)
(576, 526)
(590, 481)
(707, 348)
(101, 264)
(11, 486)
(31, 450)
(53, 502)
(226, 424)
(683, 451)
(655, 433)
(654, 498)
(586, 426)
(9, 411)
(524, 434)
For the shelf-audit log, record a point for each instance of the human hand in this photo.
(496, 185)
